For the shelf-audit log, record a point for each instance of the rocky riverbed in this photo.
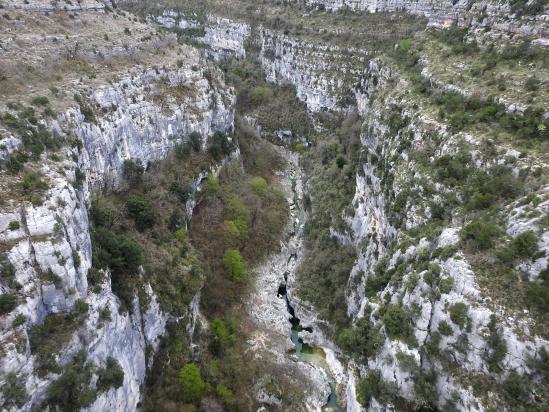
(286, 335)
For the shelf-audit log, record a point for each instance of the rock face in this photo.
(323, 85)
(223, 37)
(143, 121)
(496, 14)
(142, 116)
(43, 7)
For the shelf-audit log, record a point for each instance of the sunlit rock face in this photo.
(223, 38)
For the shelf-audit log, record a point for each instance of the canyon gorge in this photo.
(301, 205)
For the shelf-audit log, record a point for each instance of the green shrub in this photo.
(380, 279)
(182, 151)
(537, 297)
(224, 335)
(19, 320)
(220, 146)
(480, 201)
(404, 54)
(119, 253)
(48, 339)
(79, 178)
(261, 95)
(517, 391)
(85, 109)
(445, 329)
(340, 162)
(182, 235)
(541, 363)
(225, 396)
(16, 162)
(407, 363)
(323, 275)
(112, 376)
(14, 225)
(531, 84)
(192, 385)
(132, 171)
(373, 386)
(484, 189)
(481, 234)
(36, 200)
(445, 252)
(501, 182)
(525, 245)
(212, 184)
(458, 314)
(498, 346)
(452, 170)
(394, 320)
(446, 285)
(81, 306)
(231, 229)
(72, 391)
(141, 211)
(431, 277)
(525, 7)
(13, 391)
(426, 390)
(238, 213)
(8, 302)
(405, 45)
(362, 339)
(183, 192)
(40, 101)
(32, 181)
(259, 184)
(396, 120)
(103, 212)
(234, 265)
(195, 140)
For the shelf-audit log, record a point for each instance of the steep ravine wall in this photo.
(322, 85)
(142, 116)
(223, 38)
(498, 15)
(292, 61)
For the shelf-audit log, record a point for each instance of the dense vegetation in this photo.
(238, 220)
(331, 163)
(275, 108)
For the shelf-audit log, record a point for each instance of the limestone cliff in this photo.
(45, 261)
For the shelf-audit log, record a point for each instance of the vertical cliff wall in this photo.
(47, 258)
